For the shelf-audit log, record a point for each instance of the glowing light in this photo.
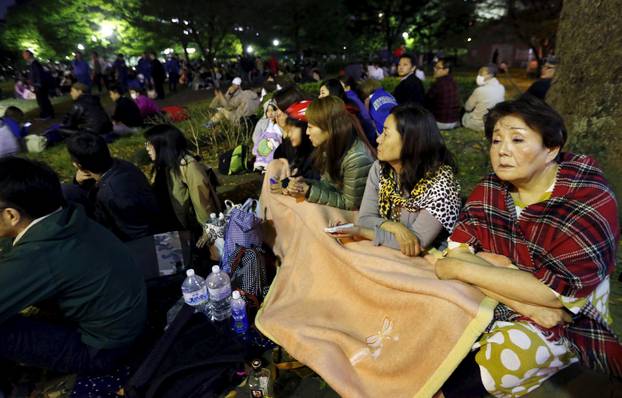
(106, 29)
(80, 46)
(168, 51)
(93, 38)
(191, 50)
(276, 42)
(380, 15)
(405, 35)
(175, 20)
(469, 39)
(250, 49)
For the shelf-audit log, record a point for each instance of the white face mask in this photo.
(480, 80)
(135, 95)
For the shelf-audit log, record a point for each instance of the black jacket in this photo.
(37, 76)
(410, 91)
(157, 71)
(126, 111)
(125, 202)
(87, 114)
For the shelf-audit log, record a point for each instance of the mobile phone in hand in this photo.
(337, 228)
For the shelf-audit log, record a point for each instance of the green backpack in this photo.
(234, 161)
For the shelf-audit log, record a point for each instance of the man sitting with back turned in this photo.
(115, 192)
(56, 255)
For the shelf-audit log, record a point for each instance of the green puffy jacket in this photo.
(354, 169)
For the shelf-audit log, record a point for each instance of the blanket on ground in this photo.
(369, 320)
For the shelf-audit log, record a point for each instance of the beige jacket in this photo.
(477, 106)
(191, 193)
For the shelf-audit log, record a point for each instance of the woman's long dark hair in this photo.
(330, 114)
(335, 88)
(423, 147)
(170, 146)
(288, 96)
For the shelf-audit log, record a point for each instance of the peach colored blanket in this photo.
(369, 320)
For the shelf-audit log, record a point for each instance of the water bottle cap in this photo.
(215, 269)
(235, 294)
(256, 364)
(190, 272)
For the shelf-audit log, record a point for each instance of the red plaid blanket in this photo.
(568, 242)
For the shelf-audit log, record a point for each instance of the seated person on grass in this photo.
(126, 118)
(54, 254)
(412, 195)
(86, 114)
(342, 154)
(539, 235)
(115, 192)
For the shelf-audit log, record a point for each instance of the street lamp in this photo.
(276, 42)
(249, 49)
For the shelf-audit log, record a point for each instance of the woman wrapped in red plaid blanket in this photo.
(539, 235)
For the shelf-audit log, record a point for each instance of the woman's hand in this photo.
(548, 317)
(408, 241)
(203, 240)
(297, 188)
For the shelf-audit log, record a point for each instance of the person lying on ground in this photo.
(126, 117)
(412, 195)
(539, 235)
(53, 253)
(148, 107)
(185, 192)
(235, 103)
(86, 114)
(115, 192)
(342, 154)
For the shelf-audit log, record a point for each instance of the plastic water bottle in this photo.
(238, 313)
(219, 290)
(194, 291)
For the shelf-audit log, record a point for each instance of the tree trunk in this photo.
(588, 82)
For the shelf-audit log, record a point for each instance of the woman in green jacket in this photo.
(342, 154)
(186, 193)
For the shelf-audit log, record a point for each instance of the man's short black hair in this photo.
(446, 64)
(116, 87)
(30, 187)
(14, 113)
(410, 57)
(90, 152)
